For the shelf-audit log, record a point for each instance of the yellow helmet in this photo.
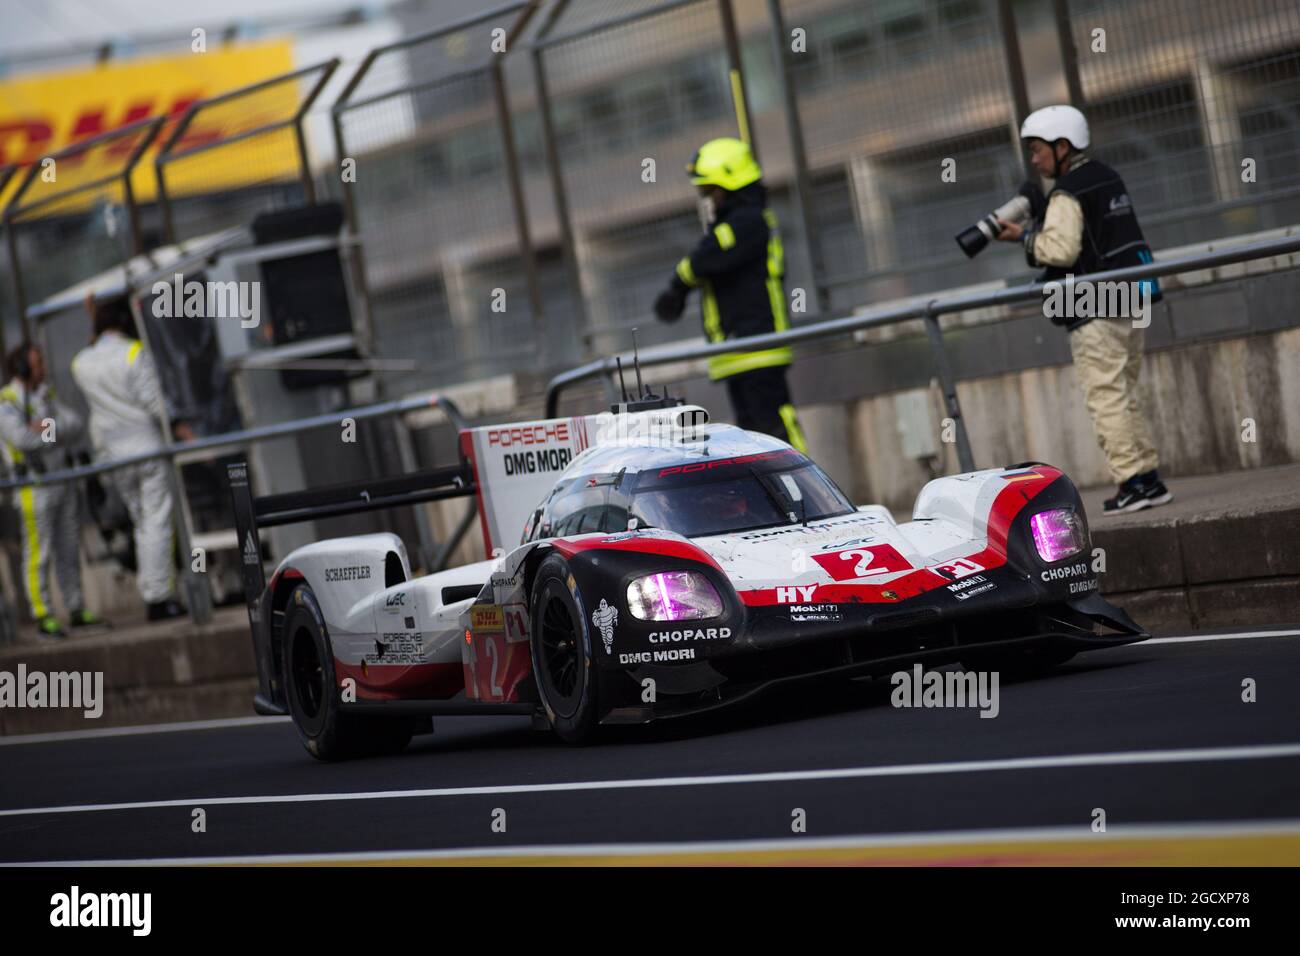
(724, 162)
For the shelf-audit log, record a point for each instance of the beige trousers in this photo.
(1108, 360)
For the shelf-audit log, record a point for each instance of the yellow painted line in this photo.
(1240, 851)
(1094, 850)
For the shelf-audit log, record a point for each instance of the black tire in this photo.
(564, 660)
(312, 692)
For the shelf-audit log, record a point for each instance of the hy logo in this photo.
(795, 595)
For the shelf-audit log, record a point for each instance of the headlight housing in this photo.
(1058, 534)
(673, 596)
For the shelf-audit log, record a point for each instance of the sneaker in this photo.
(84, 618)
(1141, 491)
(164, 610)
(48, 629)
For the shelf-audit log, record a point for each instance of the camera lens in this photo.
(973, 240)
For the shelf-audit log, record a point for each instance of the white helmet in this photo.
(1057, 122)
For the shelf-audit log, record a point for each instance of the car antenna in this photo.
(636, 360)
(618, 359)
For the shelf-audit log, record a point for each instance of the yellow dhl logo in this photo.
(487, 617)
(43, 113)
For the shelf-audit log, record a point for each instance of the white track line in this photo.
(1081, 833)
(1194, 638)
(260, 721)
(1120, 758)
(140, 729)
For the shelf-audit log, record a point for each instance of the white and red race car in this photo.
(646, 564)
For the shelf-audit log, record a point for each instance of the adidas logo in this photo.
(251, 553)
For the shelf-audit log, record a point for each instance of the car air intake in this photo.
(890, 620)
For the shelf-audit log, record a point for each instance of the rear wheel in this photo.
(315, 703)
(564, 662)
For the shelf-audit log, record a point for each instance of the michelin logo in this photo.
(605, 618)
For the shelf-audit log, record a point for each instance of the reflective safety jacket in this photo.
(26, 451)
(738, 268)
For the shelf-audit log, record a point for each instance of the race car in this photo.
(648, 563)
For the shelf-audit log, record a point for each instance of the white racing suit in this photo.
(126, 410)
(49, 515)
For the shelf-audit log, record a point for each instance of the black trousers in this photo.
(761, 400)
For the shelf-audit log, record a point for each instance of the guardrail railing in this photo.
(199, 602)
(928, 310)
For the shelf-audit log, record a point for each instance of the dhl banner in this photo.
(41, 113)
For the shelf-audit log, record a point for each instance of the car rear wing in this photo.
(252, 514)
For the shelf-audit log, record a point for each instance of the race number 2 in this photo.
(863, 562)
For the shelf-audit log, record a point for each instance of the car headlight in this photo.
(1057, 534)
(673, 596)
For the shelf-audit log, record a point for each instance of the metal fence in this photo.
(63, 222)
(927, 310)
(627, 100)
(489, 178)
(434, 194)
(1197, 102)
(254, 133)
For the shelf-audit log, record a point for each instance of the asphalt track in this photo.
(1156, 735)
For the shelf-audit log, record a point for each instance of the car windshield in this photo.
(736, 497)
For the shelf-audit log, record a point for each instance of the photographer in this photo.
(1088, 226)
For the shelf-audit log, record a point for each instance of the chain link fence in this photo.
(428, 171)
(232, 156)
(1197, 103)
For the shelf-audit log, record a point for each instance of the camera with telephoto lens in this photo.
(974, 239)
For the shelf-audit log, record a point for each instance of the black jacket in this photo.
(738, 266)
(1112, 238)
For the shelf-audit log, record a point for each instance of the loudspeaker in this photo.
(306, 295)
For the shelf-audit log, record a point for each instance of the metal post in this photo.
(803, 195)
(1069, 52)
(965, 458)
(197, 592)
(308, 187)
(406, 455)
(15, 268)
(1015, 78)
(571, 266)
(164, 205)
(352, 251)
(517, 191)
(737, 72)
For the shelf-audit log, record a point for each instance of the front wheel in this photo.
(564, 661)
(314, 700)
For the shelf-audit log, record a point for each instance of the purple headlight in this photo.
(1057, 534)
(673, 596)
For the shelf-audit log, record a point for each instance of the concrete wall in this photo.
(1197, 396)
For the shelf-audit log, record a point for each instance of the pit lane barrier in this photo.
(928, 310)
